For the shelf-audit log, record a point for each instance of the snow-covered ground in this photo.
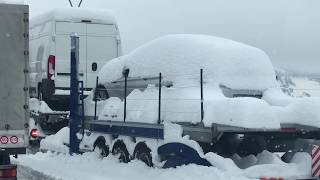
(227, 63)
(91, 166)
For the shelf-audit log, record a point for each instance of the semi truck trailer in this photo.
(14, 85)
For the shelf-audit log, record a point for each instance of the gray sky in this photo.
(288, 30)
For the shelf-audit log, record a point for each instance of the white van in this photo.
(50, 49)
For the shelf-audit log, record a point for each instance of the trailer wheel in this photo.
(120, 149)
(101, 147)
(143, 153)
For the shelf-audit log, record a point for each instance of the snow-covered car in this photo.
(239, 85)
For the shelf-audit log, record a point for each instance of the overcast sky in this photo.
(288, 30)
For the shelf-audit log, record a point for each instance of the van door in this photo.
(101, 47)
(63, 48)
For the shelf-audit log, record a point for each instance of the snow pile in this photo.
(57, 142)
(241, 112)
(142, 106)
(224, 61)
(264, 164)
(74, 15)
(89, 166)
(37, 106)
(301, 111)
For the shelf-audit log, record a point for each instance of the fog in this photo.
(288, 30)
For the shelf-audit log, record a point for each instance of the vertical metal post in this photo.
(201, 89)
(95, 99)
(159, 101)
(125, 73)
(74, 95)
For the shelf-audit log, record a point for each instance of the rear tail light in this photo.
(51, 67)
(288, 130)
(8, 172)
(34, 133)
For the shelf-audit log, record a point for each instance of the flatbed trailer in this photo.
(147, 141)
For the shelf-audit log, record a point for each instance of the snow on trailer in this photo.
(231, 106)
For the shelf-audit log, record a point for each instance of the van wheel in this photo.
(120, 149)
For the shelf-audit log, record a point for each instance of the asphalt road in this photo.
(26, 173)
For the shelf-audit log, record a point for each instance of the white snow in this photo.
(57, 142)
(91, 166)
(74, 15)
(225, 62)
(12, 2)
(39, 106)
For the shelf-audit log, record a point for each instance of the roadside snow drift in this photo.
(91, 166)
(225, 63)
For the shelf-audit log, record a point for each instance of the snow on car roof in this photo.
(74, 15)
(224, 61)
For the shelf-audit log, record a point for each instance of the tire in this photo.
(5, 159)
(252, 145)
(119, 149)
(143, 153)
(101, 147)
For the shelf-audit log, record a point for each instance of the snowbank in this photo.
(91, 166)
(39, 106)
(74, 15)
(57, 142)
(303, 111)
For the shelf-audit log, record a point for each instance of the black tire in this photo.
(120, 149)
(5, 159)
(143, 153)
(100, 145)
(252, 145)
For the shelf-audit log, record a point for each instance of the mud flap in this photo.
(177, 154)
